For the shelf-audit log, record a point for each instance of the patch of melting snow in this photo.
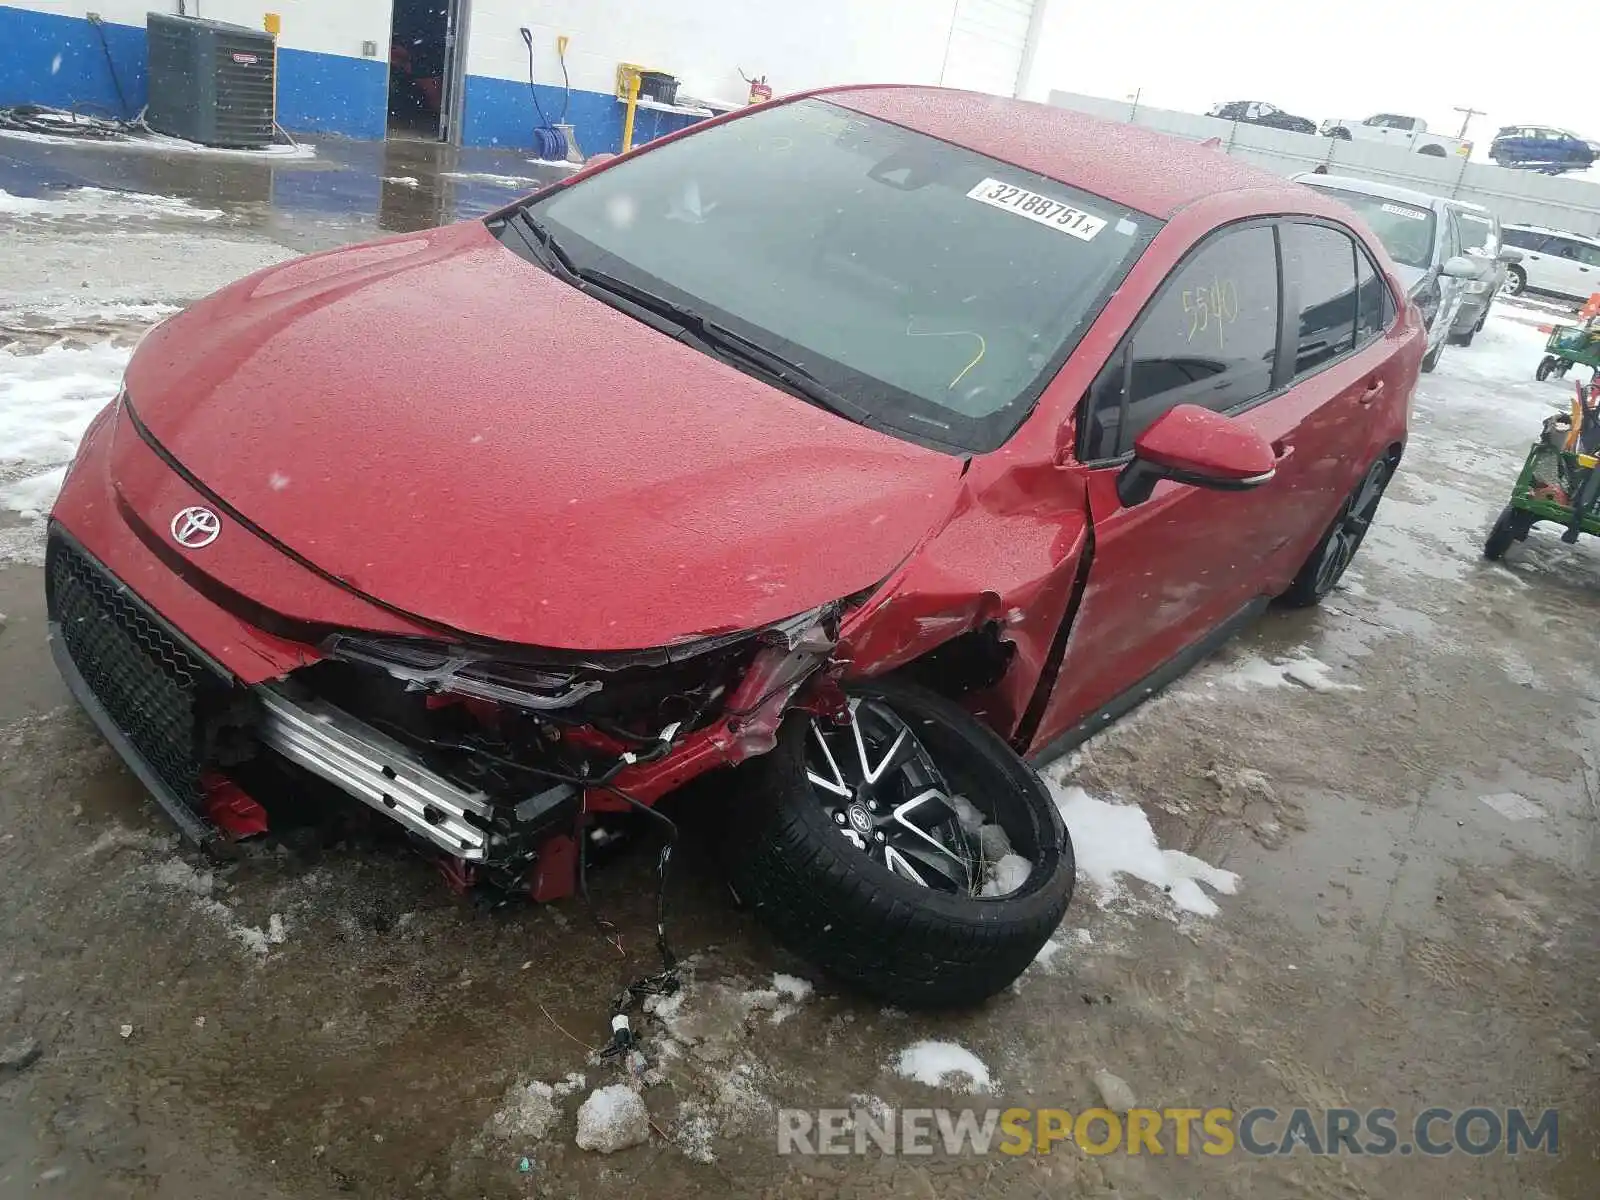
(166, 144)
(1513, 807)
(103, 203)
(46, 402)
(693, 1132)
(943, 1064)
(1063, 941)
(613, 1118)
(176, 875)
(1111, 840)
(1300, 669)
(510, 181)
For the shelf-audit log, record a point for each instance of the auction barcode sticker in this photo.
(1052, 214)
(1401, 211)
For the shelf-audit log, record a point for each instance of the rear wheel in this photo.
(1330, 559)
(1432, 151)
(1512, 526)
(907, 851)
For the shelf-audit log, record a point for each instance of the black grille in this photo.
(139, 670)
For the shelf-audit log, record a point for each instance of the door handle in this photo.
(1374, 390)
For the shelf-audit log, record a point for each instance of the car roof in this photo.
(1582, 237)
(1366, 187)
(1152, 172)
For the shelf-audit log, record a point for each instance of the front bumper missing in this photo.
(375, 769)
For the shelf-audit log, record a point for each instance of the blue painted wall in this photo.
(331, 93)
(46, 59)
(501, 112)
(49, 59)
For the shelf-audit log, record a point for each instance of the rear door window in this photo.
(1319, 273)
(1210, 337)
(1524, 239)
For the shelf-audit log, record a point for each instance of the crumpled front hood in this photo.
(449, 430)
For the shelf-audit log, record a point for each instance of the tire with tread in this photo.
(1510, 526)
(1309, 588)
(862, 923)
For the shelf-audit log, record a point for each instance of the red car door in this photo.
(1171, 576)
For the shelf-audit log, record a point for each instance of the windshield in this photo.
(1475, 231)
(935, 289)
(1406, 230)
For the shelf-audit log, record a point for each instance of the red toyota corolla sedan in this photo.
(873, 442)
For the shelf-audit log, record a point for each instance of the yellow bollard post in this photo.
(633, 104)
(272, 23)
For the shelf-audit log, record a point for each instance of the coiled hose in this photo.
(547, 143)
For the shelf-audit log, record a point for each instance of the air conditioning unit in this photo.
(210, 82)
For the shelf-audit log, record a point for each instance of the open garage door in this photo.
(989, 44)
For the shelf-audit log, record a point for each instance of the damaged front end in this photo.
(497, 761)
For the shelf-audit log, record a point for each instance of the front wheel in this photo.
(1548, 365)
(1516, 281)
(907, 851)
(1430, 360)
(1328, 562)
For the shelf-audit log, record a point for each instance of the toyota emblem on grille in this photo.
(195, 527)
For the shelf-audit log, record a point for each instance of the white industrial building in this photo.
(461, 72)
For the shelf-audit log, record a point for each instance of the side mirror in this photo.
(1509, 254)
(1459, 266)
(1193, 445)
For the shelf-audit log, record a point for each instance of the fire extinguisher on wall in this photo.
(760, 89)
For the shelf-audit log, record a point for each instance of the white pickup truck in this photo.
(1411, 133)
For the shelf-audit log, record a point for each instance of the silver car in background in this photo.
(1483, 240)
(1423, 236)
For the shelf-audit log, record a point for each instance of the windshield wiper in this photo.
(729, 344)
(538, 238)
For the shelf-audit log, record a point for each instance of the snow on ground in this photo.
(166, 144)
(1111, 840)
(176, 875)
(1297, 670)
(510, 181)
(102, 203)
(943, 1064)
(46, 402)
(1513, 807)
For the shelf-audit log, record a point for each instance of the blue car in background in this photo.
(1543, 148)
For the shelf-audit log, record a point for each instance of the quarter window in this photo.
(1374, 306)
(1210, 338)
(1319, 264)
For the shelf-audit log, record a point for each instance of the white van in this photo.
(1554, 262)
